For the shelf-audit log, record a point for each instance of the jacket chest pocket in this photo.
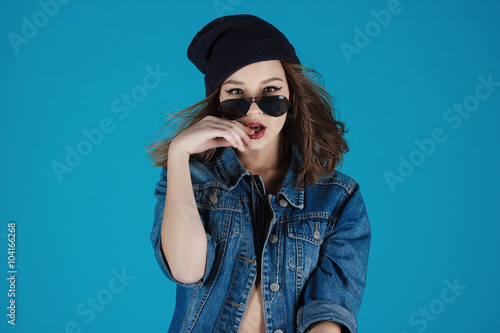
(304, 239)
(220, 212)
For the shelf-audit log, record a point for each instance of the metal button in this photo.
(317, 234)
(213, 198)
(278, 331)
(283, 203)
(274, 286)
(273, 239)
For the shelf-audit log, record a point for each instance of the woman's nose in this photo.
(254, 108)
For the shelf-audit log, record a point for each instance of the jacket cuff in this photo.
(324, 310)
(162, 261)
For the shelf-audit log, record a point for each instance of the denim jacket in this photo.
(312, 261)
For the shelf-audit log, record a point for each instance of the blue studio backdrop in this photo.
(85, 85)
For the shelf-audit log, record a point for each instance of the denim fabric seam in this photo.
(212, 183)
(345, 319)
(338, 209)
(209, 290)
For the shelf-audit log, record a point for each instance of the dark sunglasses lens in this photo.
(234, 108)
(274, 105)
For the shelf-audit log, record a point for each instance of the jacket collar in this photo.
(232, 171)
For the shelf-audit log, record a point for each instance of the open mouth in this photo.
(259, 129)
(256, 128)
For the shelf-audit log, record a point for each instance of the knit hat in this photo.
(231, 42)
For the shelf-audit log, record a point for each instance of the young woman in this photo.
(253, 223)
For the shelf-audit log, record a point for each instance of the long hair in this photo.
(310, 125)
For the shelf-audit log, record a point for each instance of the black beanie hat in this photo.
(231, 42)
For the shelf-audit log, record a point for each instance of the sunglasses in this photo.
(273, 106)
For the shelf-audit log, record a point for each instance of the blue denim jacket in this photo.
(312, 262)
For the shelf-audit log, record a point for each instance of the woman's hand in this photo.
(212, 132)
(324, 326)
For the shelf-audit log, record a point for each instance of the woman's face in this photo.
(265, 78)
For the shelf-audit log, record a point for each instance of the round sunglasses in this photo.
(274, 106)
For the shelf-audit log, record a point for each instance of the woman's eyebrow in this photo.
(242, 83)
(271, 80)
(233, 82)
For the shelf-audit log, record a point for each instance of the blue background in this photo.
(439, 226)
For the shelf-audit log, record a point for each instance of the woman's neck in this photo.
(276, 156)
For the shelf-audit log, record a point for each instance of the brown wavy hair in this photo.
(311, 125)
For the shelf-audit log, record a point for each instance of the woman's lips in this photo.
(259, 128)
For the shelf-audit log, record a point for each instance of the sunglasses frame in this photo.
(250, 101)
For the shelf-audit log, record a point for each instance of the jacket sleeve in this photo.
(160, 194)
(334, 289)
